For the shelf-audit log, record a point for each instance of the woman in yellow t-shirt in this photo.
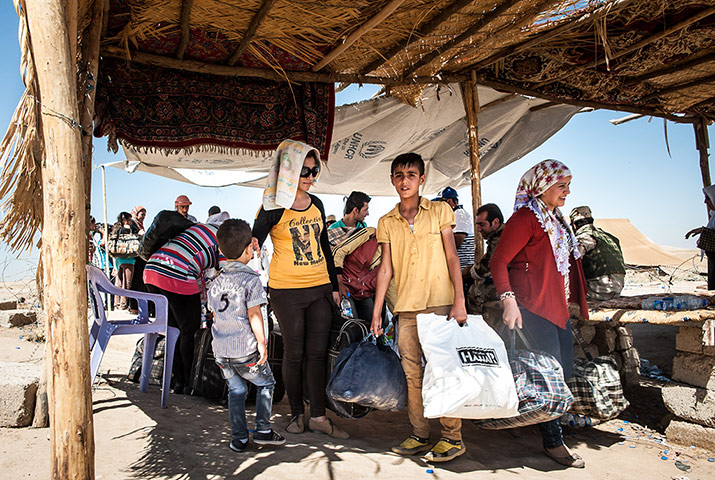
(302, 282)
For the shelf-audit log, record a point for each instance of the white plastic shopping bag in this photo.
(467, 373)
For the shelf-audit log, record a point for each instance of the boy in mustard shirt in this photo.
(419, 251)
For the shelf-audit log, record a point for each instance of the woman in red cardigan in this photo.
(536, 271)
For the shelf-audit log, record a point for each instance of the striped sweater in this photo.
(178, 265)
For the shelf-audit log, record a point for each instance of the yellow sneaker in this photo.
(412, 446)
(445, 450)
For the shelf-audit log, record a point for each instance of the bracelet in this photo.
(506, 295)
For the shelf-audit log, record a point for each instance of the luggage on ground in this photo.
(344, 331)
(596, 385)
(540, 386)
(157, 363)
(206, 379)
(369, 373)
(467, 373)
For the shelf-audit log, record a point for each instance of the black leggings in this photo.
(304, 315)
(185, 314)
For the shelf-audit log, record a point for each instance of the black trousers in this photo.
(304, 315)
(185, 314)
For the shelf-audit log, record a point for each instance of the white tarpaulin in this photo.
(368, 135)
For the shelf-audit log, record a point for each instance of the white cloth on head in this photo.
(709, 192)
(283, 178)
(218, 218)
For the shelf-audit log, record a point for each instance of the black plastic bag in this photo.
(369, 373)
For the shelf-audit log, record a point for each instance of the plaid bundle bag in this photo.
(706, 240)
(596, 386)
(540, 386)
(157, 363)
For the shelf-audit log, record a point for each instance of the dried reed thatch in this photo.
(642, 56)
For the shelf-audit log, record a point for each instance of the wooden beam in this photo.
(653, 38)
(485, 20)
(185, 30)
(252, 29)
(87, 92)
(583, 103)
(497, 101)
(428, 28)
(540, 38)
(63, 240)
(677, 88)
(355, 36)
(470, 98)
(569, 71)
(703, 143)
(659, 72)
(269, 74)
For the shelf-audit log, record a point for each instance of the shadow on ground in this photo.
(191, 436)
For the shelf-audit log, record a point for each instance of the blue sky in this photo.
(620, 171)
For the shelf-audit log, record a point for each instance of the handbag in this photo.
(467, 373)
(124, 245)
(540, 386)
(706, 240)
(369, 373)
(596, 385)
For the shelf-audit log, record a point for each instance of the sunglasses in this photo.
(306, 172)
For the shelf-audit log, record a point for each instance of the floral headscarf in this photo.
(533, 183)
(135, 212)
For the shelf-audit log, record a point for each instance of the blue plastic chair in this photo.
(103, 328)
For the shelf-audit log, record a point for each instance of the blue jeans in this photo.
(545, 336)
(237, 374)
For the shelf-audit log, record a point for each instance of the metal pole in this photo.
(106, 233)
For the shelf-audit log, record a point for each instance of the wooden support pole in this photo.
(63, 234)
(251, 32)
(470, 97)
(185, 30)
(87, 92)
(702, 143)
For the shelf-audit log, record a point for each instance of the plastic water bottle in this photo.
(204, 323)
(574, 420)
(346, 308)
(681, 302)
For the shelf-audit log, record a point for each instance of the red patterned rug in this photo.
(152, 107)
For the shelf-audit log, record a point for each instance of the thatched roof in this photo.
(653, 57)
(642, 56)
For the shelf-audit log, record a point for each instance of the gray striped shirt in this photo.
(236, 289)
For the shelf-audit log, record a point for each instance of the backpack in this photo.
(357, 276)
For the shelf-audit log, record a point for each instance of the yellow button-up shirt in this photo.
(419, 264)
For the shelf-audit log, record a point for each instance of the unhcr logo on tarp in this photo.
(372, 149)
(486, 357)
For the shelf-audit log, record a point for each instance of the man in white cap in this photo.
(181, 204)
(602, 260)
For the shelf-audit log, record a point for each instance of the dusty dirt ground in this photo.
(135, 439)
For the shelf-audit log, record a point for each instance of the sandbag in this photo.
(369, 373)
(467, 373)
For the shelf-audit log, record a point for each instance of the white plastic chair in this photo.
(103, 328)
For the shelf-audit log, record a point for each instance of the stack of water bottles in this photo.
(680, 302)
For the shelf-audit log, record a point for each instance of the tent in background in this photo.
(368, 135)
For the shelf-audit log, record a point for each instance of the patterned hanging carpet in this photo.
(152, 107)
